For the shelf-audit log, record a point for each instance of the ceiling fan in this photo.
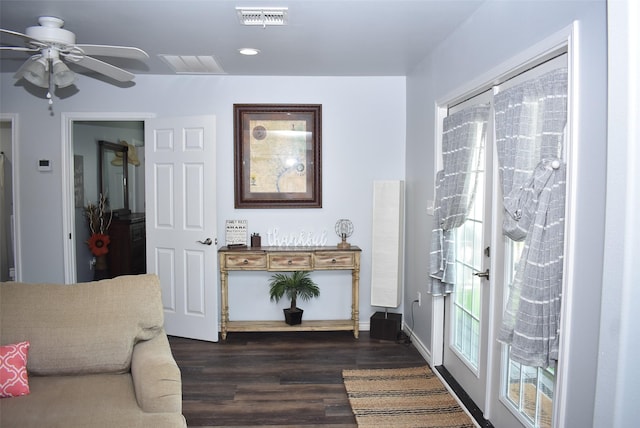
(52, 46)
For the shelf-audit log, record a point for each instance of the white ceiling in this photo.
(322, 38)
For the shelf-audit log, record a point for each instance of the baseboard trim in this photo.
(419, 345)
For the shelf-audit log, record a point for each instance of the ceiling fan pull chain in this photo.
(51, 85)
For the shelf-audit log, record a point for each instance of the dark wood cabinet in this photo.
(127, 250)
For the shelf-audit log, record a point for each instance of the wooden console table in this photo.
(282, 259)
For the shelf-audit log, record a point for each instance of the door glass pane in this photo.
(545, 398)
(528, 390)
(469, 255)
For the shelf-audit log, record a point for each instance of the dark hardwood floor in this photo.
(278, 379)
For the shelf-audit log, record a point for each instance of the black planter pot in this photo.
(293, 316)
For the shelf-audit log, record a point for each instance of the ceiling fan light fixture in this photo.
(36, 72)
(62, 76)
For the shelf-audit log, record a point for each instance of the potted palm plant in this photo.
(297, 285)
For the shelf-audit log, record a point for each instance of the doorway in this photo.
(86, 137)
(9, 219)
(508, 392)
(178, 196)
(80, 133)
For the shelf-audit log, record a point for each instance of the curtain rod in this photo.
(528, 67)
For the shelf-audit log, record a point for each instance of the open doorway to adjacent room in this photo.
(98, 171)
(9, 243)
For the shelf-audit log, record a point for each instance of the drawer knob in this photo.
(246, 262)
(290, 262)
(333, 260)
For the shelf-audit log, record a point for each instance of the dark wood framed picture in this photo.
(278, 155)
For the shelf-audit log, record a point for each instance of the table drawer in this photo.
(290, 261)
(329, 260)
(245, 261)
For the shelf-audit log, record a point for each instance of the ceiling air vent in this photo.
(264, 16)
(193, 64)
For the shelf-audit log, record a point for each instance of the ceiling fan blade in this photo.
(24, 37)
(18, 49)
(102, 67)
(113, 51)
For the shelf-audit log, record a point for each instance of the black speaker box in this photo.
(385, 326)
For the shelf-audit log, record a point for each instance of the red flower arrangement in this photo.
(98, 244)
(99, 226)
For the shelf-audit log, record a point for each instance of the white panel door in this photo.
(181, 222)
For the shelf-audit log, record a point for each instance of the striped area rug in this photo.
(398, 398)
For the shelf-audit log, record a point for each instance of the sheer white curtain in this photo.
(455, 190)
(530, 121)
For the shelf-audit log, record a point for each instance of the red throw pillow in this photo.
(13, 370)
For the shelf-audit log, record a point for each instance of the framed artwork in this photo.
(277, 155)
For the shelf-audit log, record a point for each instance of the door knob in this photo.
(207, 241)
(484, 274)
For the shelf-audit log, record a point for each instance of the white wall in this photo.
(498, 31)
(363, 138)
(618, 369)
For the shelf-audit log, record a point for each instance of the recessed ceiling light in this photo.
(249, 51)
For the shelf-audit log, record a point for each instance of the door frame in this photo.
(565, 40)
(68, 198)
(15, 168)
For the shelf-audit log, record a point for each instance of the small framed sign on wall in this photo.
(278, 155)
(236, 232)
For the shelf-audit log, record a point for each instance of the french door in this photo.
(509, 394)
(466, 309)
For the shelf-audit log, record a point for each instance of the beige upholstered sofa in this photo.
(98, 356)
